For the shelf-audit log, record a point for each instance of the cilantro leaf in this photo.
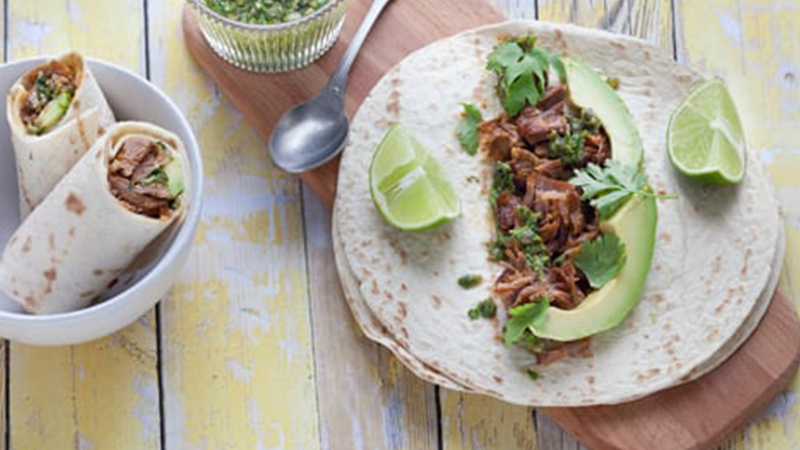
(486, 309)
(523, 317)
(521, 92)
(467, 130)
(504, 55)
(601, 259)
(521, 71)
(611, 186)
(502, 181)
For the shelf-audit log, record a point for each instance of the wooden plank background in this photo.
(255, 348)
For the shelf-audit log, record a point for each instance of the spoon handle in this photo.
(338, 82)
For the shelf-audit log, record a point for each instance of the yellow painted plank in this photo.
(367, 399)
(103, 394)
(236, 335)
(477, 422)
(754, 45)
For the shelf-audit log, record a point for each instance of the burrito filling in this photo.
(147, 177)
(554, 184)
(49, 98)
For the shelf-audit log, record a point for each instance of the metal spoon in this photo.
(312, 133)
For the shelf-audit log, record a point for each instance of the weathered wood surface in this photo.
(242, 361)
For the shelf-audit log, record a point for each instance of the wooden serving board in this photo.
(693, 416)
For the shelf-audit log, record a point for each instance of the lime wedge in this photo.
(705, 138)
(408, 185)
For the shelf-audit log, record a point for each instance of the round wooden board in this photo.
(693, 416)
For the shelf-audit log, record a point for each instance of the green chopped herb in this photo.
(534, 375)
(523, 317)
(473, 179)
(521, 69)
(264, 12)
(613, 82)
(601, 259)
(567, 147)
(467, 130)
(502, 181)
(611, 186)
(156, 176)
(470, 281)
(486, 309)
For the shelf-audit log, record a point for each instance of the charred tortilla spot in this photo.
(403, 286)
(51, 242)
(30, 302)
(437, 301)
(27, 245)
(101, 131)
(393, 107)
(112, 283)
(71, 232)
(747, 254)
(403, 310)
(665, 237)
(30, 156)
(74, 204)
(98, 272)
(590, 380)
(497, 379)
(76, 104)
(375, 289)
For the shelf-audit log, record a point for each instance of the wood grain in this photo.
(367, 399)
(237, 361)
(102, 394)
(754, 45)
(469, 421)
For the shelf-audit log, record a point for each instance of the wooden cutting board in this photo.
(694, 416)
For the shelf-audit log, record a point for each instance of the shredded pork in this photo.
(540, 183)
(136, 160)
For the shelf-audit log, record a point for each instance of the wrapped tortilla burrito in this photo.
(55, 112)
(118, 198)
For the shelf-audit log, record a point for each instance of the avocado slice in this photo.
(589, 91)
(52, 113)
(634, 224)
(174, 172)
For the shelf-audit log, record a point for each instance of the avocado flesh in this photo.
(52, 113)
(174, 172)
(588, 90)
(634, 223)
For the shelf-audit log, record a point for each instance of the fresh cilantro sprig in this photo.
(601, 259)
(611, 186)
(524, 317)
(467, 129)
(521, 68)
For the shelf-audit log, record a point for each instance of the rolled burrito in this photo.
(118, 198)
(55, 113)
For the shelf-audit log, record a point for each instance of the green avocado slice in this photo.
(634, 224)
(174, 172)
(52, 113)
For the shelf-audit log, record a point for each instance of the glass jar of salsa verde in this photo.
(270, 35)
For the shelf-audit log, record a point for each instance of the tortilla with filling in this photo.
(714, 253)
(55, 112)
(117, 199)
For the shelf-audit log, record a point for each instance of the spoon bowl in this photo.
(310, 134)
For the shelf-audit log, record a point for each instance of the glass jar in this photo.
(271, 48)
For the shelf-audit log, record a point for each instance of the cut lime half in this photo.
(408, 185)
(705, 140)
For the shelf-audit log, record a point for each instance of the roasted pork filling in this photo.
(140, 178)
(540, 217)
(50, 95)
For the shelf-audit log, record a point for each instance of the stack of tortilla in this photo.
(716, 264)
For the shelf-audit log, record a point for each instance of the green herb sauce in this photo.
(486, 309)
(470, 281)
(265, 12)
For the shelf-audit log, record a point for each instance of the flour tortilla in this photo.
(374, 330)
(714, 253)
(81, 237)
(43, 160)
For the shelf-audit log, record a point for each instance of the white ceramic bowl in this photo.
(132, 98)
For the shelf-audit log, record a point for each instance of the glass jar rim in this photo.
(265, 27)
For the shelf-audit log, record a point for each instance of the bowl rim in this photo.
(183, 236)
(200, 4)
